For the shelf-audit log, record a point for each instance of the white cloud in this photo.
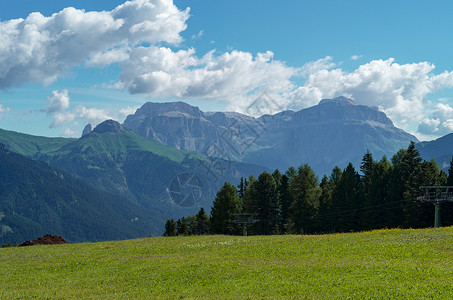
(399, 90)
(325, 63)
(92, 115)
(59, 110)
(161, 72)
(58, 102)
(3, 110)
(198, 36)
(69, 131)
(439, 121)
(124, 112)
(40, 49)
(138, 35)
(109, 57)
(60, 118)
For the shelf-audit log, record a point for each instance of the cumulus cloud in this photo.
(325, 63)
(3, 110)
(58, 109)
(69, 131)
(124, 112)
(398, 90)
(108, 57)
(439, 121)
(143, 37)
(58, 102)
(161, 72)
(40, 49)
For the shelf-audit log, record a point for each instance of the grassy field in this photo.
(401, 264)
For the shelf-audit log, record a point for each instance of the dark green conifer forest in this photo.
(382, 194)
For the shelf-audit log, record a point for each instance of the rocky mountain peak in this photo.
(338, 101)
(335, 132)
(88, 128)
(108, 126)
(153, 108)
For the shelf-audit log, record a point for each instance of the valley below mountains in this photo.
(169, 159)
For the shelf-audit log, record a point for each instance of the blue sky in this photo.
(62, 68)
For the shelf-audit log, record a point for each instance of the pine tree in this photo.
(241, 188)
(182, 227)
(367, 164)
(249, 203)
(267, 202)
(368, 215)
(277, 177)
(226, 204)
(305, 192)
(377, 211)
(202, 222)
(285, 202)
(347, 200)
(421, 214)
(324, 217)
(170, 228)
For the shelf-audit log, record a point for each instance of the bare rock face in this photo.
(334, 132)
(48, 239)
(87, 129)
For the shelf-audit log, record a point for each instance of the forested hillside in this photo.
(382, 195)
(36, 199)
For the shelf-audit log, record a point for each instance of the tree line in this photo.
(382, 195)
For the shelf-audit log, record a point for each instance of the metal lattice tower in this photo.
(245, 219)
(436, 195)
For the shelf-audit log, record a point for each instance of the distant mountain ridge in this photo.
(441, 150)
(161, 181)
(334, 132)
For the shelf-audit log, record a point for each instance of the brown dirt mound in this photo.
(48, 239)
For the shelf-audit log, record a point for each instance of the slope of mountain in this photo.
(441, 150)
(37, 199)
(30, 145)
(163, 181)
(334, 132)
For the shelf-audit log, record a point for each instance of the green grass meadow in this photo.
(383, 264)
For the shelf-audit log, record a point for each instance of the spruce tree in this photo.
(202, 222)
(267, 203)
(285, 202)
(225, 206)
(170, 228)
(419, 214)
(305, 192)
(326, 210)
(347, 198)
(182, 227)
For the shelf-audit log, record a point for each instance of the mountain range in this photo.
(334, 132)
(169, 159)
(161, 182)
(441, 150)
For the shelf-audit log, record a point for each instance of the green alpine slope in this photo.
(36, 199)
(383, 264)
